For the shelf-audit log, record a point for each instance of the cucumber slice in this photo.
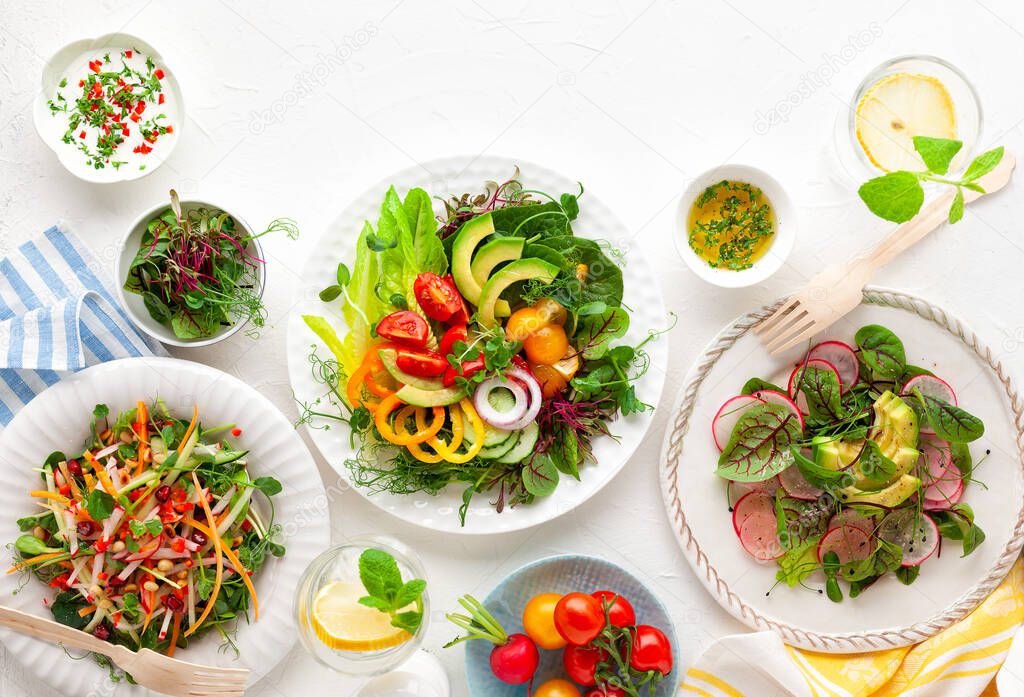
(502, 399)
(493, 437)
(527, 441)
(500, 450)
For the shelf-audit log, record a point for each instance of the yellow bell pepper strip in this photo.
(421, 424)
(380, 419)
(478, 434)
(443, 448)
(354, 387)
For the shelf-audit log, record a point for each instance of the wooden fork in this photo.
(836, 290)
(150, 669)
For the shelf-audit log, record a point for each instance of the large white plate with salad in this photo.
(860, 492)
(482, 363)
(103, 515)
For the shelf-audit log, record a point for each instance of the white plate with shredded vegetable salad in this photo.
(112, 482)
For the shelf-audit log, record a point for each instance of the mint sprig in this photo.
(382, 580)
(898, 196)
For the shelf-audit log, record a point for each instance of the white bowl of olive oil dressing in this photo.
(735, 226)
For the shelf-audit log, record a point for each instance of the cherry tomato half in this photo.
(467, 369)
(405, 327)
(551, 311)
(552, 382)
(580, 663)
(620, 612)
(651, 650)
(557, 688)
(546, 345)
(579, 618)
(456, 332)
(438, 297)
(423, 364)
(539, 621)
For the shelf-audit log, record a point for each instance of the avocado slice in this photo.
(410, 394)
(892, 495)
(471, 234)
(520, 270)
(389, 357)
(489, 256)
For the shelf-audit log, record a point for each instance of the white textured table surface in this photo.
(294, 109)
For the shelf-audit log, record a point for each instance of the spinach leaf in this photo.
(881, 350)
(532, 220)
(65, 609)
(565, 452)
(540, 476)
(948, 421)
(877, 469)
(603, 278)
(958, 524)
(823, 391)
(757, 385)
(596, 332)
(816, 475)
(908, 574)
(759, 446)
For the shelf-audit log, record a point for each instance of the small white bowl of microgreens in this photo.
(735, 226)
(191, 273)
(109, 108)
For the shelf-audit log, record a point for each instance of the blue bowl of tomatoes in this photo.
(573, 609)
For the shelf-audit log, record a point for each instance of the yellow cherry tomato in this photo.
(552, 382)
(557, 688)
(523, 323)
(551, 311)
(547, 345)
(539, 622)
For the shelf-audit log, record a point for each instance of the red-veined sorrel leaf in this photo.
(759, 445)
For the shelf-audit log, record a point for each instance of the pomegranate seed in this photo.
(101, 632)
(116, 581)
(173, 603)
(85, 528)
(163, 493)
(199, 538)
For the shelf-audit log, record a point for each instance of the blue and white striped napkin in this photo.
(57, 316)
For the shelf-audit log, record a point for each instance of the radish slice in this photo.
(728, 415)
(853, 519)
(759, 537)
(943, 481)
(930, 386)
(842, 357)
(738, 490)
(917, 535)
(945, 504)
(773, 397)
(848, 542)
(754, 503)
(796, 486)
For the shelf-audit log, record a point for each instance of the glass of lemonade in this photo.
(353, 638)
(905, 97)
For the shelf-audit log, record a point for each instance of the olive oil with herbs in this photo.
(731, 225)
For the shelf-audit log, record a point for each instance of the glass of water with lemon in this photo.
(363, 610)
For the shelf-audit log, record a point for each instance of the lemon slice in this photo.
(897, 108)
(340, 622)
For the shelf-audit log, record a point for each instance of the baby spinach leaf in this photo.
(596, 332)
(877, 469)
(66, 608)
(908, 574)
(948, 421)
(759, 446)
(881, 350)
(816, 475)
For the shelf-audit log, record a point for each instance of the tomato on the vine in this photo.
(651, 650)
(620, 612)
(405, 327)
(580, 663)
(579, 618)
(423, 364)
(557, 688)
(539, 621)
(439, 298)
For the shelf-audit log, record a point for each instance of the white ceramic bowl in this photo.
(50, 129)
(132, 302)
(785, 227)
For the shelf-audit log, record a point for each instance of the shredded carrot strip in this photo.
(63, 500)
(142, 431)
(33, 560)
(70, 480)
(234, 562)
(149, 612)
(188, 433)
(174, 634)
(87, 610)
(220, 560)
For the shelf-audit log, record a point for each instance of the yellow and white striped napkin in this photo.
(958, 662)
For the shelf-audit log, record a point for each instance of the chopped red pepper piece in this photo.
(158, 74)
(160, 100)
(140, 107)
(236, 432)
(127, 54)
(170, 129)
(134, 117)
(82, 135)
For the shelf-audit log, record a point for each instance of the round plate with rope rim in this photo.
(888, 614)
